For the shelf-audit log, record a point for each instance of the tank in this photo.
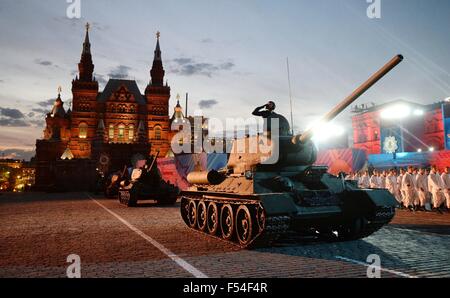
(146, 183)
(253, 202)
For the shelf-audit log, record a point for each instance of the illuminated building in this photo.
(104, 129)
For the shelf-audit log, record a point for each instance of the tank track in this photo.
(264, 230)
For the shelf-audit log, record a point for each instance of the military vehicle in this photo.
(147, 184)
(253, 202)
(113, 183)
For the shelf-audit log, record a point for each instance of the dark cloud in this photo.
(31, 114)
(11, 113)
(13, 122)
(46, 103)
(207, 103)
(207, 40)
(40, 111)
(43, 62)
(119, 72)
(101, 79)
(2, 81)
(189, 67)
(17, 154)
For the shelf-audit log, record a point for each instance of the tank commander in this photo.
(267, 111)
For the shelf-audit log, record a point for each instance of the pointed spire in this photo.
(158, 48)
(86, 67)
(87, 44)
(157, 72)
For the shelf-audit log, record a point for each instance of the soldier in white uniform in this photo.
(435, 186)
(364, 180)
(422, 188)
(383, 177)
(399, 183)
(375, 180)
(409, 188)
(446, 183)
(391, 185)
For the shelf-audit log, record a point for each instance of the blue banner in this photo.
(446, 118)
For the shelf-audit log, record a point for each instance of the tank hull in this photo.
(259, 220)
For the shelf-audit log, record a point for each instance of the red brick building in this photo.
(105, 129)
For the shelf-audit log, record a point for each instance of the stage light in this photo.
(431, 149)
(397, 111)
(419, 150)
(447, 99)
(326, 131)
(418, 112)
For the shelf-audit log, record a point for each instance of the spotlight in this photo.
(431, 149)
(326, 131)
(419, 150)
(397, 111)
(418, 112)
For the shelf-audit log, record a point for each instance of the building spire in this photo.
(86, 67)
(157, 72)
(87, 43)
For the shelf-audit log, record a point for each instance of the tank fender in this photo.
(278, 204)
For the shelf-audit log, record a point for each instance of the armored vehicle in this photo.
(147, 184)
(260, 196)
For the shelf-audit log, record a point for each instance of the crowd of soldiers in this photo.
(414, 188)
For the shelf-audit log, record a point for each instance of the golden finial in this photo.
(59, 90)
(178, 96)
(88, 26)
(158, 35)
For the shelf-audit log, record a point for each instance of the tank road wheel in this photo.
(227, 221)
(261, 218)
(192, 214)
(201, 215)
(184, 209)
(212, 219)
(243, 225)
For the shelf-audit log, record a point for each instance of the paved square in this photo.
(40, 230)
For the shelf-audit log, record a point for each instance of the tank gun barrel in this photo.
(307, 135)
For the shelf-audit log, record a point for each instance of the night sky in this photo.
(229, 55)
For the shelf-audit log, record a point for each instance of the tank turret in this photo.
(270, 187)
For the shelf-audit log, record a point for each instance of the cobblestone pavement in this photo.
(38, 232)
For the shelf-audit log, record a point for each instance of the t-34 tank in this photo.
(253, 202)
(147, 184)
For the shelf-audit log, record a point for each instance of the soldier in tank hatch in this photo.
(267, 111)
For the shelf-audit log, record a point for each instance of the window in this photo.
(131, 132)
(111, 132)
(158, 132)
(121, 131)
(82, 130)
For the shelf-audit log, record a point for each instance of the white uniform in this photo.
(446, 183)
(374, 182)
(422, 188)
(435, 187)
(399, 186)
(383, 182)
(409, 189)
(391, 185)
(364, 182)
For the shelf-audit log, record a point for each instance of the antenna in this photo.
(290, 93)
(187, 99)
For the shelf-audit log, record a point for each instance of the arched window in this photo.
(131, 132)
(158, 132)
(82, 130)
(121, 133)
(111, 132)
